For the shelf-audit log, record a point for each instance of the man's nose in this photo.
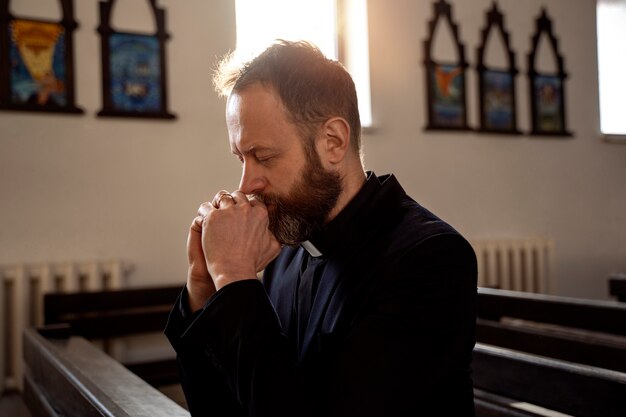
(251, 181)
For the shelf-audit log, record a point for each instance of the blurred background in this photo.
(82, 188)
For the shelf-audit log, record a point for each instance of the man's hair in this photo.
(312, 87)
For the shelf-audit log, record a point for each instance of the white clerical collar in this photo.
(313, 251)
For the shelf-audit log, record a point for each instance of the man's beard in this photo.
(296, 217)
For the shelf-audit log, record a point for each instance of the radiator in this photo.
(520, 264)
(21, 301)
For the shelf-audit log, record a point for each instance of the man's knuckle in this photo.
(210, 218)
(261, 213)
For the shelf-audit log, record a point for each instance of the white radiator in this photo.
(519, 264)
(21, 301)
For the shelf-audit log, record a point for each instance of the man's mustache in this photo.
(267, 199)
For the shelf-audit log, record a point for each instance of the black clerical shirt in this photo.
(390, 332)
(318, 248)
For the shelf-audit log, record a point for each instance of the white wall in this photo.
(82, 187)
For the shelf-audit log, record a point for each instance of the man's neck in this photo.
(351, 183)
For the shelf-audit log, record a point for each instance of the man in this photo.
(367, 302)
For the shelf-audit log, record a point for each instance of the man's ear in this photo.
(334, 140)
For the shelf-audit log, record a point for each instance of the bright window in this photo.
(611, 23)
(259, 23)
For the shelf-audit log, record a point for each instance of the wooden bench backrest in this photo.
(110, 314)
(595, 315)
(584, 349)
(71, 377)
(105, 314)
(569, 388)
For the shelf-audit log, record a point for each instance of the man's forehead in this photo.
(257, 121)
(233, 103)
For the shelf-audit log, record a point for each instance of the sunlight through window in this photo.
(611, 19)
(259, 23)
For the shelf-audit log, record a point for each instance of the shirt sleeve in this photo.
(203, 380)
(238, 333)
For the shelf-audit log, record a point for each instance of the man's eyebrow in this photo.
(255, 149)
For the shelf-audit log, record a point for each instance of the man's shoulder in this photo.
(420, 237)
(413, 229)
(421, 221)
(407, 220)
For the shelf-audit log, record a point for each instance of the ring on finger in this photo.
(219, 199)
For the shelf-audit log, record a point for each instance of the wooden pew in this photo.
(108, 314)
(595, 315)
(561, 353)
(590, 332)
(68, 376)
(504, 377)
(617, 286)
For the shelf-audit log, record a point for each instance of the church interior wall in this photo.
(80, 187)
